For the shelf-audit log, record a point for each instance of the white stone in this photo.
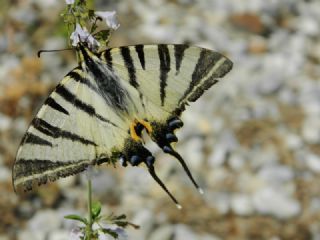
(192, 152)
(209, 237)
(44, 221)
(5, 122)
(145, 219)
(59, 235)
(308, 25)
(271, 201)
(183, 232)
(164, 232)
(311, 130)
(293, 141)
(219, 201)
(276, 174)
(31, 234)
(241, 204)
(313, 162)
(5, 174)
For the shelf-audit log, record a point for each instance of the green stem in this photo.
(90, 222)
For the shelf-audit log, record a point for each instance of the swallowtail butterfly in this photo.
(97, 113)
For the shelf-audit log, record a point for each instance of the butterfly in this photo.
(99, 110)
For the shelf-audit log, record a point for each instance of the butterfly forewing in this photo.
(168, 75)
(71, 130)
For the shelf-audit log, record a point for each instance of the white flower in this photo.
(82, 35)
(110, 18)
(69, 2)
(76, 234)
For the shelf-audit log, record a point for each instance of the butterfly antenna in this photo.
(55, 50)
(175, 154)
(157, 179)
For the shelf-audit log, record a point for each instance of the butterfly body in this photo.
(98, 111)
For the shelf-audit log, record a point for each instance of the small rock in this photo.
(4, 122)
(308, 25)
(219, 201)
(209, 237)
(59, 235)
(275, 203)
(164, 232)
(5, 174)
(183, 232)
(293, 141)
(36, 234)
(145, 219)
(313, 162)
(276, 174)
(241, 204)
(311, 130)
(44, 221)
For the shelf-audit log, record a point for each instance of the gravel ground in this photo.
(252, 141)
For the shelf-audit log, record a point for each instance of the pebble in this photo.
(165, 232)
(275, 202)
(46, 220)
(59, 235)
(241, 204)
(183, 232)
(5, 122)
(219, 201)
(313, 162)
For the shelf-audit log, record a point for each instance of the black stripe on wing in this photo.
(70, 97)
(179, 54)
(108, 57)
(140, 52)
(38, 166)
(30, 138)
(108, 83)
(205, 63)
(83, 80)
(128, 61)
(37, 171)
(55, 132)
(56, 106)
(164, 58)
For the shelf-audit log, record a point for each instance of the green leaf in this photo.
(122, 224)
(123, 216)
(110, 232)
(96, 209)
(76, 218)
(102, 35)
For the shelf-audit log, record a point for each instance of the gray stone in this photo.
(31, 234)
(241, 204)
(183, 232)
(164, 232)
(44, 221)
(59, 235)
(275, 202)
(313, 162)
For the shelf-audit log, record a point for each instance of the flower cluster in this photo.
(77, 15)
